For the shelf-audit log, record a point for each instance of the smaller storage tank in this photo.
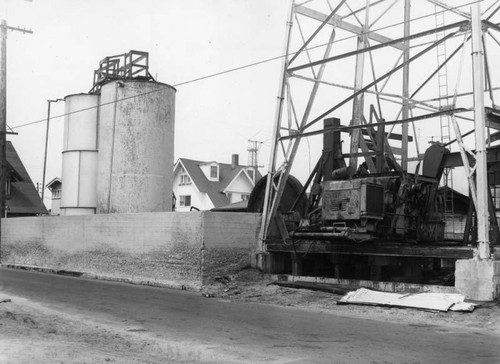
(79, 156)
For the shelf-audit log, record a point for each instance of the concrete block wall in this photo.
(167, 248)
(229, 243)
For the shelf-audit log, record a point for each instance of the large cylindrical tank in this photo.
(136, 147)
(79, 157)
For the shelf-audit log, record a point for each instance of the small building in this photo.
(55, 187)
(457, 205)
(21, 196)
(207, 185)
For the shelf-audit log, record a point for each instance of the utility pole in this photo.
(3, 122)
(253, 153)
(3, 114)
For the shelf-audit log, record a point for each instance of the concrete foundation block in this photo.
(478, 279)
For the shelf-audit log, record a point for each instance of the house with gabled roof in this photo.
(21, 196)
(55, 187)
(207, 185)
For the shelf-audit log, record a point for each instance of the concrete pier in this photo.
(478, 279)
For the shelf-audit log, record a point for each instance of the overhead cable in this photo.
(230, 70)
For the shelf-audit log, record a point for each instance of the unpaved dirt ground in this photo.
(31, 333)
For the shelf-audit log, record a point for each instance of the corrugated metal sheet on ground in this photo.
(427, 301)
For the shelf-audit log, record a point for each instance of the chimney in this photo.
(234, 160)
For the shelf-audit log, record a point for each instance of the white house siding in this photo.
(201, 201)
(198, 199)
(55, 208)
(240, 186)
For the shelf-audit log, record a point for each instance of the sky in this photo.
(186, 40)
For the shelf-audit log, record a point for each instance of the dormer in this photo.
(211, 171)
(55, 187)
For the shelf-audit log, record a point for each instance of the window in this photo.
(251, 174)
(244, 197)
(185, 180)
(56, 194)
(184, 200)
(213, 171)
(8, 183)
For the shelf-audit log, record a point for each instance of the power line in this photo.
(230, 70)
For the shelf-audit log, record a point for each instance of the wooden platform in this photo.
(438, 250)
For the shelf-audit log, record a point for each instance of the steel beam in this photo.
(416, 102)
(437, 70)
(362, 8)
(373, 248)
(293, 147)
(493, 13)
(450, 8)
(326, 113)
(452, 160)
(276, 132)
(382, 45)
(337, 21)
(323, 23)
(385, 123)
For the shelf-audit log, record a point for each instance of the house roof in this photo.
(24, 198)
(240, 206)
(214, 189)
(460, 201)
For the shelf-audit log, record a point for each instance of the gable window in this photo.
(251, 174)
(213, 172)
(185, 180)
(184, 200)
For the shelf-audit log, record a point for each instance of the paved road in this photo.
(267, 332)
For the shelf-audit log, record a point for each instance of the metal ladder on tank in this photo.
(444, 124)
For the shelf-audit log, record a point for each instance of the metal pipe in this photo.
(112, 153)
(319, 235)
(488, 75)
(46, 148)
(483, 247)
(406, 82)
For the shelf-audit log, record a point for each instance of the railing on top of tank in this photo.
(134, 64)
